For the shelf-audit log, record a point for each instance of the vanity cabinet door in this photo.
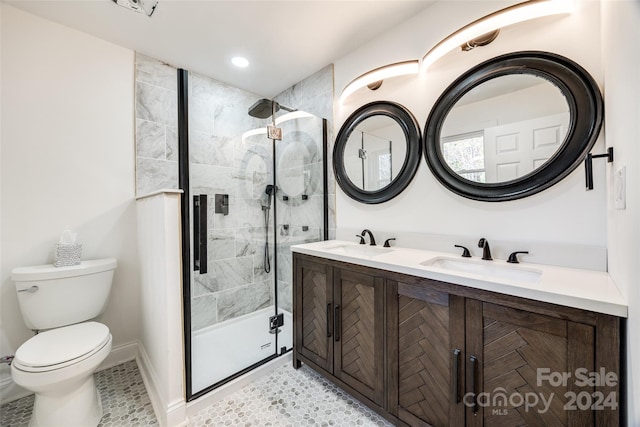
(429, 353)
(425, 330)
(314, 313)
(359, 332)
(516, 359)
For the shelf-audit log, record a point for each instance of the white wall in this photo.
(621, 64)
(563, 214)
(600, 36)
(67, 161)
(161, 336)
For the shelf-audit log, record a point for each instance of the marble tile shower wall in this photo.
(225, 162)
(313, 95)
(156, 126)
(300, 196)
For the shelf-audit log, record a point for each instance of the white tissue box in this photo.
(66, 254)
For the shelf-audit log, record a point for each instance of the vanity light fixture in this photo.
(487, 25)
(482, 40)
(377, 75)
(141, 6)
(478, 33)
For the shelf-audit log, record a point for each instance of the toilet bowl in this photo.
(58, 363)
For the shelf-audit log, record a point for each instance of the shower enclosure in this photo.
(247, 198)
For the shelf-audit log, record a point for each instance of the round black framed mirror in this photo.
(513, 126)
(377, 152)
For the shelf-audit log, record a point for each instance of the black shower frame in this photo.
(183, 182)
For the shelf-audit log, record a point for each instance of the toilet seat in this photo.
(61, 347)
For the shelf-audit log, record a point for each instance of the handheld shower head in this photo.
(270, 191)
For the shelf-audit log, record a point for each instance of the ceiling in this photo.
(285, 41)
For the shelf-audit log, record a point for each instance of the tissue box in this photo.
(67, 254)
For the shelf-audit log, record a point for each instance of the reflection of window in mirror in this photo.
(464, 154)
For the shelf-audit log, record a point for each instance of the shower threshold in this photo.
(221, 351)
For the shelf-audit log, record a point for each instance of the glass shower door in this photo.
(232, 297)
(301, 201)
(246, 211)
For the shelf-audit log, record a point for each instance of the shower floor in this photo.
(221, 350)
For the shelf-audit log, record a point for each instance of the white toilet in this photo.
(58, 363)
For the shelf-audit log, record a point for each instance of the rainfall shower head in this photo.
(264, 108)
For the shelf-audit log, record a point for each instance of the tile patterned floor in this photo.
(288, 398)
(124, 400)
(284, 398)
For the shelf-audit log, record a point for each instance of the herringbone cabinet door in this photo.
(358, 348)
(425, 355)
(522, 355)
(315, 310)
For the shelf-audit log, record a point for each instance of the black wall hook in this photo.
(588, 165)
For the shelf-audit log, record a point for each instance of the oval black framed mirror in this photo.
(513, 126)
(377, 152)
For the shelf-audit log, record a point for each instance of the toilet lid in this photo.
(61, 345)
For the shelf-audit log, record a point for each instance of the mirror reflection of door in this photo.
(505, 128)
(375, 152)
(516, 149)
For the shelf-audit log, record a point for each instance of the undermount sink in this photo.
(486, 269)
(359, 250)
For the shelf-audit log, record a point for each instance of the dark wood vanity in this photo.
(422, 352)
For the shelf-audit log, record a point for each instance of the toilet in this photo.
(58, 363)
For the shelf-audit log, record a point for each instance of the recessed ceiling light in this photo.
(240, 61)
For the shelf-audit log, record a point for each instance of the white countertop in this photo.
(583, 289)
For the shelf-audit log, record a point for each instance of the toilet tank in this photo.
(51, 297)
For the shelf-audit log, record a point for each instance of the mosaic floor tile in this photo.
(284, 398)
(124, 397)
(288, 398)
(124, 401)
(16, 413)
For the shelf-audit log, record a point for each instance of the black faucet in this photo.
(513, 258)
(486, 251)
(465, 251)
(371, 239)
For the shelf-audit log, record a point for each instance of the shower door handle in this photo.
(200, 233)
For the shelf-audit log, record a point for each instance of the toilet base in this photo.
(81, 407)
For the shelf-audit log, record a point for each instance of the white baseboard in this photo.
(119, 355)
(10, 391)
(172, 414)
